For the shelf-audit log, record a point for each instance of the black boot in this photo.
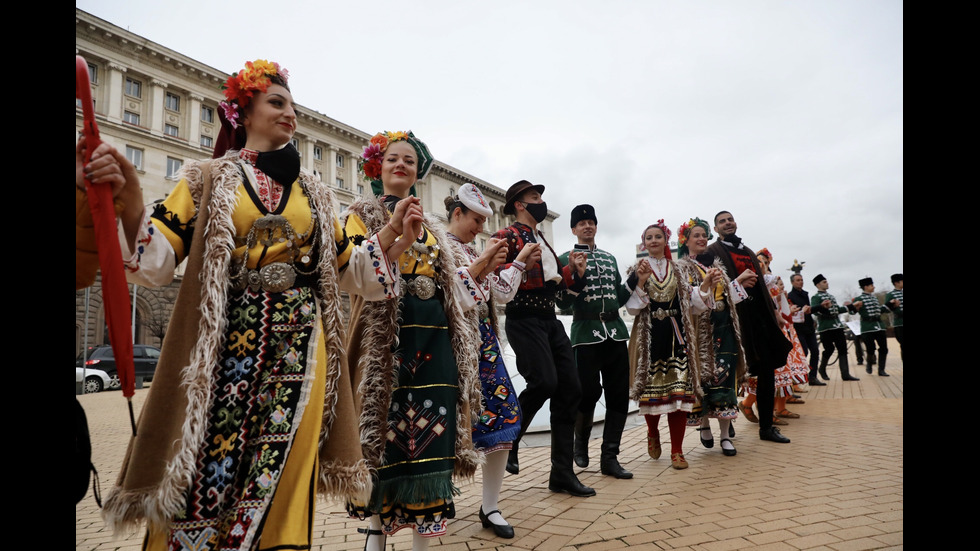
(563, 477)
(583, 430)
(845, 374)
(881, 364)
(512, 466)
(612, 434)
(823, 373)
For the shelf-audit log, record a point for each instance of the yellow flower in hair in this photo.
(395, 136)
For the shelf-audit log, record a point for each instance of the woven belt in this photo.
(273, 278)
(590, 316)
(422, 286)
(662, 314)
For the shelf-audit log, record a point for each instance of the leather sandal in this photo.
(795, 400)
(787, 414)
(653, 445)
(747, 412)
(776, 420)
(677, 461)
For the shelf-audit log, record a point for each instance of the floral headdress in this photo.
(663, 227)
(684, 233)
(765, 252)
(370, 163)
(241, 86)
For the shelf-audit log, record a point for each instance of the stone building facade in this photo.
(160, 108)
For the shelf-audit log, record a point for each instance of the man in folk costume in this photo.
(829, 327)
(544, 353)
(766, 347)
(872, 330)
(896, 303)
(599, 339)
(803, 324)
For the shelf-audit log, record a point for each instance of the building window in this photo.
(173, 166)
(207, 114)
(295, 143)
(93, 73)
(340, 161)
(340, 183)
(134, 88)
(207, 141)
(317, 152)
(135, 156)
(170, 130)
(172, 102)
(360, 189)
(131, 118)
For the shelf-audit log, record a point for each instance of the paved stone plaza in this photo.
(838, 486)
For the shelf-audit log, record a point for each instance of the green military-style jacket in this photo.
(827, 318)
(898, 314)
(596, 308)
(870, 312)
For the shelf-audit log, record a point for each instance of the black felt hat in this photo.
(583, 212)
(515, 191)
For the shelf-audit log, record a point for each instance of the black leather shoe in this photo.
(850, 378)
(708, 442)
(610, 466)
(726, 451)
(817, 382)
(370, 533)
(823, 374)
(500, 530)
(868, 368)
(883, 374)
(512, 466)
(772, 434)
(568, 482)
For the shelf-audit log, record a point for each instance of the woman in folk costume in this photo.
(251, 409)
(796, 369)
(499, 422)
(716, 341)
(414, 359)
(663, 381)
(784, 374)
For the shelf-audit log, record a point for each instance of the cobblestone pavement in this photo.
(837, 486)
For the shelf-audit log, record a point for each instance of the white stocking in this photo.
(419, 543)
(493, 479)
(375, 542)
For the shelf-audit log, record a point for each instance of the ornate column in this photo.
(114, 87)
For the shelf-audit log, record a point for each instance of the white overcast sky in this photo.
(787, 113)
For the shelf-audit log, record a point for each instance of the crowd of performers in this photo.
(265, 397)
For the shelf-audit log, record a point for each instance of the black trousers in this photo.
(808, 339)
(610, 360)
(879, 338)
(545, 360)
(830, 340)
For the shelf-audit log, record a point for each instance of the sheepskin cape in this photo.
(698, 332)
(160, 462)
(372, 340)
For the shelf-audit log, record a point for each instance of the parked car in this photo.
(145, 360)
(96, 380)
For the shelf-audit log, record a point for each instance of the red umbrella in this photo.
(115, 294)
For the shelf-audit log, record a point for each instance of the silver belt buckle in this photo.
(277, 277)
(422, 286)
(660, 314)
(719, 305)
